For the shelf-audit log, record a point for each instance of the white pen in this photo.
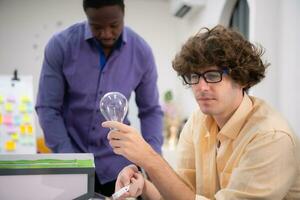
(120, 192)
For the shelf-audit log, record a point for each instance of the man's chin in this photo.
(206, 111)
(107, 44)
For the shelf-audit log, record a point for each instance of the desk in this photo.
(46, 176)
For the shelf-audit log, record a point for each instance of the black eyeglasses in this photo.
(210, 76)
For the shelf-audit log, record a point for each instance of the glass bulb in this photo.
(114, 106)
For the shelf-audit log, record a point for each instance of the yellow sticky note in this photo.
(1, 120)
(26, 119)
(10, 145)
(29, 129)
(25, 99)
(22, 108)
(8, 107)
(22, 129)
(1, 99)
(15, 136)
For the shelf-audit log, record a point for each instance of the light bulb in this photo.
(114, 106)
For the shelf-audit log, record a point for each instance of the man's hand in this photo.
(127, 141)
(130, 175)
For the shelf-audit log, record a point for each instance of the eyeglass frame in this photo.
(221, 72)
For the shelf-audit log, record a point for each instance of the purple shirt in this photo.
(71, 86)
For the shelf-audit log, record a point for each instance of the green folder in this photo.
(45, 163)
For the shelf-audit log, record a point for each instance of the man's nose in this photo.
(106, 33)
(202, 85)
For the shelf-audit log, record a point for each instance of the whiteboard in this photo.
(17, 123)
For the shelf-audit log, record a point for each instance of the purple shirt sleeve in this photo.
(150, 112)
(50, 99)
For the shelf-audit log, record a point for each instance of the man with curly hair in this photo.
(234, 147)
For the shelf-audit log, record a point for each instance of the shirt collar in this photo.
(233, 126)
(88, 34)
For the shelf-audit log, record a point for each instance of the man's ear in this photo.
(245, 88)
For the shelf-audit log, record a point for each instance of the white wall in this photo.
(274, 25)
(289, 55)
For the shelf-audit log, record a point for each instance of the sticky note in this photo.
(10, 145)
(1, 120)
(29, 129)
(22, 129)
(26, 141)
(8, 107)
(17, 120)
(11, 99)
(7, 119)
(26, 119)
(25, 99)
(1, 99)
(11, 129)
(29, 108)
(30, 141)
(23, 141)
(15, 136)
(23, 108)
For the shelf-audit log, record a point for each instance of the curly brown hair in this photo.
(226, 49)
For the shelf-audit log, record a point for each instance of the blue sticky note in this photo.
(29, 107)
(17, 120)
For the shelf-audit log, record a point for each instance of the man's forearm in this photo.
(151, 127)
(150, 192)
(55, 130)
(168, 183)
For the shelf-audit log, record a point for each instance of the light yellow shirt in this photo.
(257, 157)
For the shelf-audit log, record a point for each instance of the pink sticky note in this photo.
(7, 119)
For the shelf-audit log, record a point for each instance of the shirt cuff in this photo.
(65, 147)
(199, 197)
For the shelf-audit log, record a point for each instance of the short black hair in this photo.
(101, 3)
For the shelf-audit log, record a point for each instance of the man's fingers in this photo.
(124, 196)
(137, 184)
(133, 167)
(117, 135)
(114, 143)
(114, 134)
(122, 181)
(116, 125)
(118, 151)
